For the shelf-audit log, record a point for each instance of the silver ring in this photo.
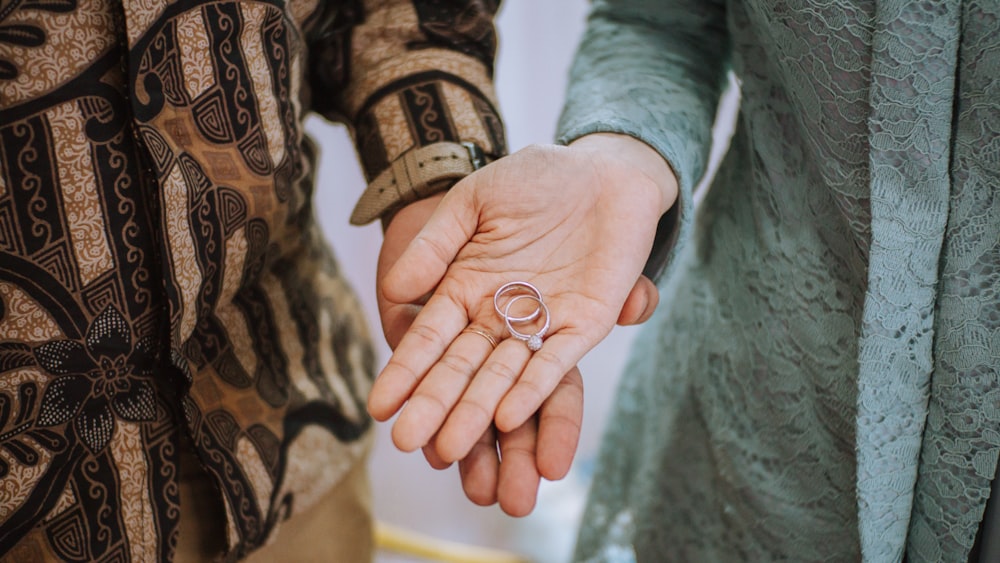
(534, 341)
(512, 286)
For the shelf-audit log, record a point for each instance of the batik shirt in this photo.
(161, 271)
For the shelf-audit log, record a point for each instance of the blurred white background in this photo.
(537, 40)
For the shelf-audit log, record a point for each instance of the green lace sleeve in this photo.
(655, 71)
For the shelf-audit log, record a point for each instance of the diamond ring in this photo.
(534, 341)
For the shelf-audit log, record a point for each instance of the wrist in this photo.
(640, 156)
(412, 216)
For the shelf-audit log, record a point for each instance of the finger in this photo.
(403, 227)
(426, 259)
(559, 423)
(517, 487)
(440, 389)
(558, 355)
(480, 469)
(423, 344)
(640, 303)
(433, 459)
(396, 320)
(475, 411)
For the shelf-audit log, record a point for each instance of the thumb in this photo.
(421, 266)
(640, 304)
(396, 320)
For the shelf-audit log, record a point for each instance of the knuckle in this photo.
(476, 411)
(433, 402)
(401, 368)
(428, 334)
(548, 358)
(562, 419)
(519, 450)
(437, 249)
(531, 386)
(501, 370)
(458, 364)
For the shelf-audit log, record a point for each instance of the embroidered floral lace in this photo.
(821, 380)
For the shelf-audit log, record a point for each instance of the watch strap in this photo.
(416, 174)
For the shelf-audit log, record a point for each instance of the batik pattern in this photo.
(161, 271)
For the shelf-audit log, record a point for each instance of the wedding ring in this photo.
(515, 286)
(534, 341)
(489, 337)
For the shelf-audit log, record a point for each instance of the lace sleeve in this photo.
(654, 71)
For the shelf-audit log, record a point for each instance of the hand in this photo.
(512, 474)
(543, 446)
(578, 223)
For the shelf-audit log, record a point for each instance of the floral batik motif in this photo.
(161, 271)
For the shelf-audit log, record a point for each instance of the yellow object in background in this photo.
(407, 542)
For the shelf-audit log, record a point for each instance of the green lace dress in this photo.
(822, 379)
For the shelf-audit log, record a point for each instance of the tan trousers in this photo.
(337, 529)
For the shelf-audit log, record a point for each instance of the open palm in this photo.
(577, 223)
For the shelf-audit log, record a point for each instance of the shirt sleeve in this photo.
(655, 71)
(405, 74)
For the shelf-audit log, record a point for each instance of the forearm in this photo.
(413, 80)
(654, 71)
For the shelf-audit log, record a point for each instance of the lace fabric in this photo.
(821, 380)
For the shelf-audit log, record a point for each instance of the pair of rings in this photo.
(516, 291)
